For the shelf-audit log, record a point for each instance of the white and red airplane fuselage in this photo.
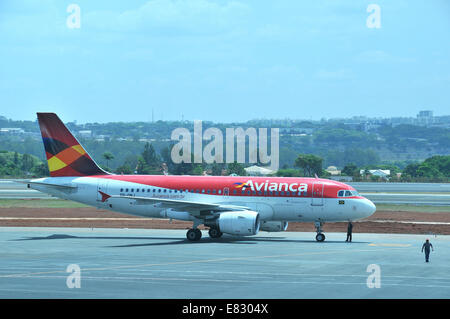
(236, 205)
(203, 199)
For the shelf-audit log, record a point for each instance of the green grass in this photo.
(413, 208)
(39, 203)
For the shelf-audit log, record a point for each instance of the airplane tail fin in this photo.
(65, 155)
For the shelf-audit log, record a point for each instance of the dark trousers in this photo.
(349, 237)
(427, 255)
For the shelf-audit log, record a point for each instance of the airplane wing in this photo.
(182, 205)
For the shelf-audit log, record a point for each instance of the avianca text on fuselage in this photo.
(273, 186)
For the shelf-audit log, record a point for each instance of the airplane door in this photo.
(317, 194)
(102, 186)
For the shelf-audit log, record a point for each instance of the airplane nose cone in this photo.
(369, 208)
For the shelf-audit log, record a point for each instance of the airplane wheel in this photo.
(215, 233)
(194, 234)
(320, 237)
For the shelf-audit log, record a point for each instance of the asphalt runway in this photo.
(401, 187)
(137, 263)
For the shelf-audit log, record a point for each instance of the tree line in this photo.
(151, 162)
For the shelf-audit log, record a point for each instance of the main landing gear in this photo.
(215, 232)
(319, 237)
(194, 234)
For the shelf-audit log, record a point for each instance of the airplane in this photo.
(234, 205)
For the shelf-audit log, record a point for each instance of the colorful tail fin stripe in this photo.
(65, 156)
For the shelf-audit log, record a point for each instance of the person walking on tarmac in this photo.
(426, 246)
(349, 232)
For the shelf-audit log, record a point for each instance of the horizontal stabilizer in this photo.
(66, 186)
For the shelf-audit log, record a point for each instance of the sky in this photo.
(223, 61)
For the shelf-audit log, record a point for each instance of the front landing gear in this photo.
(319, 237)
(194, 234)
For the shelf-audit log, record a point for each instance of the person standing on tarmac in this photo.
(426, 246)
(349, 232)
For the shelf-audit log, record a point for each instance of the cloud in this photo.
(340, 74)
(380, 56)
(167, 17)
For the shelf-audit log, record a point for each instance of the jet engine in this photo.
(274, 226)
(242, 223)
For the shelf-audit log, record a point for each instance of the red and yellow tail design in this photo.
(65, 156)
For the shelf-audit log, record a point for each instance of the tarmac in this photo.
(154, 263)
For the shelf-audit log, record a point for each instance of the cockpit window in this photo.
(347, 193)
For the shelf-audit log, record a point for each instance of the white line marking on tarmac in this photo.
(258, 281)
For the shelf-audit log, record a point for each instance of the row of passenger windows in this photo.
(346, 193)
(209, 191)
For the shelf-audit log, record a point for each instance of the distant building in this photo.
(333, 170)
(258, 171)
(383, 173)
(425, 117)
(85, 133)
(11, 131)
